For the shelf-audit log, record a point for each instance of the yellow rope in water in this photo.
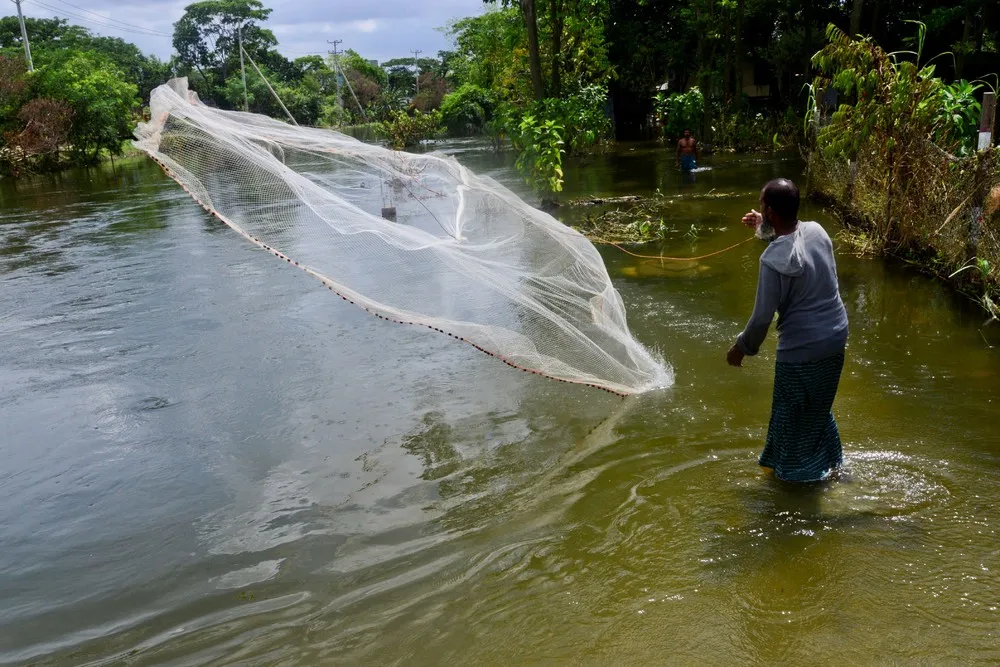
(595, 239)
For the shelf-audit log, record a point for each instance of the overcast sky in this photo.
(379, 29)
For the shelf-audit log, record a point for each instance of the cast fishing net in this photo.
(464, 256)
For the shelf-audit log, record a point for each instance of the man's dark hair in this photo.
(783, 196)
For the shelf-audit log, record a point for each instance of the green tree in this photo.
(303, 98)
(400, 72)
(529, 13)
(207, 37)
(102, 101)
(351, 60)
(43, 33)
(565, 38)
(467, 110)
(491, 53)
(146, 72)
(51, 37)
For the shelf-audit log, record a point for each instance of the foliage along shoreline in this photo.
(551, 78)
(888, 138)
(899, 161)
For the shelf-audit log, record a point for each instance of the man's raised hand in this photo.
(753, 219)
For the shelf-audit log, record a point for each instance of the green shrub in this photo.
(101, 100)
(957, 116)
(582, 117)
(403, 130)
(679, 111)
(748, 130)
(539, 142)
(467, 111)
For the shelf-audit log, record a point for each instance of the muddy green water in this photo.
(207, 459)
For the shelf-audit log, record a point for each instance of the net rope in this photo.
(465, 256)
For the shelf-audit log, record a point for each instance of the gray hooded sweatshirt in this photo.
(798, 279)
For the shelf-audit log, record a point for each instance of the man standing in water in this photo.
(687, 152)
(798, 279)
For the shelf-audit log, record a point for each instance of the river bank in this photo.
(941, 216)
(14, 166)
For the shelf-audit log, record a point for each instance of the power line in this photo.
(57, 11)
(108, 18)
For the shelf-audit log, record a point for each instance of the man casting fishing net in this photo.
(798, 279)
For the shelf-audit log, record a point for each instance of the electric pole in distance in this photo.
(336, 68)
(416, 67)
(243, 73)
(24, 36)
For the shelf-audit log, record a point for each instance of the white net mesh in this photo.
(465, 256)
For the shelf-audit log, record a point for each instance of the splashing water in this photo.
(465, 257)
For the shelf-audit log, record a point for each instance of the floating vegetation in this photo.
(638, 219)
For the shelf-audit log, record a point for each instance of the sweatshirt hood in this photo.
(786, 254)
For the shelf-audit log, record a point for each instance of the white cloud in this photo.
(380, 29)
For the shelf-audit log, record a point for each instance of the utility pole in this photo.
(243, 72)
(416, 67)
(24, 36)
(984, 167)
(336, 68)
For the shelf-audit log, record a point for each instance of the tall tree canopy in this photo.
(207, 37)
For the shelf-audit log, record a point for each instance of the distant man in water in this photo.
(687, 152)
(798, 279)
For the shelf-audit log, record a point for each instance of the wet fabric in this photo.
(803, 442)
(688, 163)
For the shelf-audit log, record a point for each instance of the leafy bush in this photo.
(101, 101)
(748, 130)
(679, 111)
(467, 110)
(582, 116)
(403, 130)
(334, 115)
(957, 116)
(891, 101)
(540, 142)
(389, 100)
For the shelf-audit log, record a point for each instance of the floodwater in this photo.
(209, 459)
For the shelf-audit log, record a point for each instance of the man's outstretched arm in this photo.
(748, 343)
